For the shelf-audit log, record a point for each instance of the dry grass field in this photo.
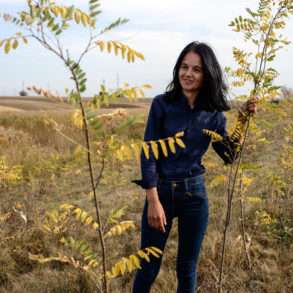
(41, 169)
(36, 104)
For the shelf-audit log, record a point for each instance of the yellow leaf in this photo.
(253, 199)
(123, 51)
(116, 48)
(18, 205)
(129, 56)
(246, 181)
(54, 10)
(77, 16)
(135, 261)
(77, 119)
(83, 216)
(214, 135)
(116, 270)
(77, 212)
(132, 57)
(63, 11)
(92, 263)
(147, 86)
(155, 149)
(7, 47)
(24, 40)
(218, 180)
(136, 150)
(171, 142)
(15, 44)
(139, 55)
(66, 206)
(84, 19)
(46, 228)
(109, 46)
(122, 266)
(101, 44)
(153, 252)
(1, 43)
(127, 152)
(145, 148)
(163, 147)
(180, 142)
(158, 250)
(129, 265)
(179, 134)
(109, 275)
(143, 255)
(95, 226)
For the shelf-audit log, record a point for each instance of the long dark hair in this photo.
(212, 96)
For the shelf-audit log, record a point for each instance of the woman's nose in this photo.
(189, 72)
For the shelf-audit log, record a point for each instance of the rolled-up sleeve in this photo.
(152, 132)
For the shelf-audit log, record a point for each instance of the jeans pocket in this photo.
(196, 190)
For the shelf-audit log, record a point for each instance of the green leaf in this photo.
(114, 24)
(55, 27)
(83, 81)
(93, 14)
(271, 58)
(50, 23)
(82, 88)
(94, 6)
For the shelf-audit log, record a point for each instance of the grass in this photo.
(51, 170)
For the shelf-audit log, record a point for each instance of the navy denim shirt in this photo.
(166, 119)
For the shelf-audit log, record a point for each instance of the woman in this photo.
(175, 185)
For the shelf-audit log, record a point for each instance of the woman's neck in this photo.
(191, 97)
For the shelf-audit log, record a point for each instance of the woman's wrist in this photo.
(152, 195)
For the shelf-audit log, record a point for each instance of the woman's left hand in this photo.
(250, 105)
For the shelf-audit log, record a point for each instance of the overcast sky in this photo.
(157, 28)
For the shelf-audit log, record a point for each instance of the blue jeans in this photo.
(187, 200)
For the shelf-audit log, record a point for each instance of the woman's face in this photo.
(191, 73)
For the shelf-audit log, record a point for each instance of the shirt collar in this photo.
(184, 102)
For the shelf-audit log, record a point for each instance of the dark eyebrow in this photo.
(196, 66)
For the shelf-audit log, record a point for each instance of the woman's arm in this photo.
(229, 148)
(155, 213)
(152, 132)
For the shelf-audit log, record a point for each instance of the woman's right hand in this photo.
(156, 214)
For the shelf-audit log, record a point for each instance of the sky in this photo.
(159, 29)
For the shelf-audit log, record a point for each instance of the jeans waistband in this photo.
(187, 185)
(186, 181)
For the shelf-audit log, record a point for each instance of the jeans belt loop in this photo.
(173, 185)
(187, 192)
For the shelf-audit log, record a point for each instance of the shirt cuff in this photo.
(146, 185)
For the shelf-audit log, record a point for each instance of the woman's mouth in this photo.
(188, 81)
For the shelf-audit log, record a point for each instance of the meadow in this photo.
(40, 169)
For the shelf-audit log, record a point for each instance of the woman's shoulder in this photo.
(159, 102)
(161, 98)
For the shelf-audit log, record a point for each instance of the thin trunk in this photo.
(93, 185)
(242, 223)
